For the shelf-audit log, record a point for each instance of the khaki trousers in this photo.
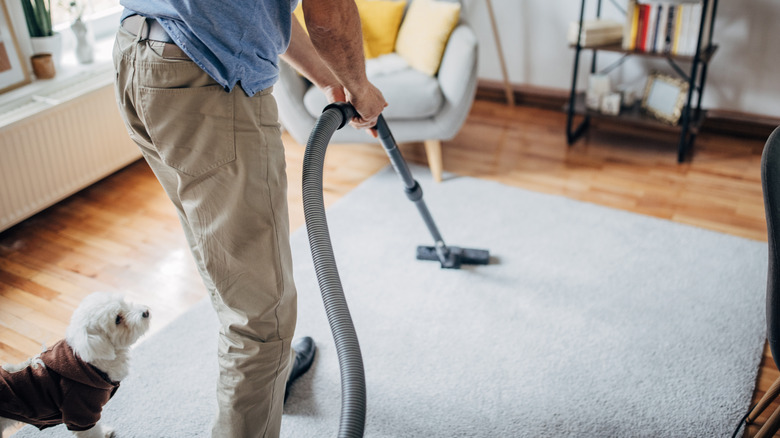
(220, 158)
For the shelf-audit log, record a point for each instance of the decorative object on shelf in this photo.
(610, 104)
(599, 85)
(43, 66)
(627, 97)
(592, 100)
(664, 97)
(597, 32)
(42, 36)
(85, 42)
(13, 69)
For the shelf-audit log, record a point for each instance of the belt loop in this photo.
(143, 31)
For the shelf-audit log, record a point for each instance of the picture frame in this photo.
(13, 68)
(664, 97)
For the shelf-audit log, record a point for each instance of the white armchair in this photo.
(421, 108)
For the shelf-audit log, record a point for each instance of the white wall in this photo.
(743, 76)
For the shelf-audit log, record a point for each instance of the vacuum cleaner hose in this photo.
(353, 381)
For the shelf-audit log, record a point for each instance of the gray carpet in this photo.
(592, 323)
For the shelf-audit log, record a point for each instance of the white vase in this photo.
(85, 44)
(51, 44)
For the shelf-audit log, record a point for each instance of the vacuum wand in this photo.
(449, 256)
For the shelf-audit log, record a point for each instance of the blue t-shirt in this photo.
(239, 40)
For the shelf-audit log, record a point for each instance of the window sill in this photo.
(71, 81)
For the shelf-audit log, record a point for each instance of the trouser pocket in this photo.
(192, 129)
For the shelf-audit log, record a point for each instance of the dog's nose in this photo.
(145, 314)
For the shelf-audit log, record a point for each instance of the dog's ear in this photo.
(90, 328)
(90, 345)
(99, 347)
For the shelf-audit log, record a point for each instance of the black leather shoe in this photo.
(304, 357)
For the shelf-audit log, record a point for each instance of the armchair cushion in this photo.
(410, 94)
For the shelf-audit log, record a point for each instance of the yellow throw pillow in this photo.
(424, 33)
(379, 20)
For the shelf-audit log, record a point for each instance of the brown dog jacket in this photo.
(66, 390)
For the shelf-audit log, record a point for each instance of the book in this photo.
(695, 26)
(652, 17)
(657, 26)
(627, 28)
(677, 28)
(682, 38)
(634, 27)
(641, 28)
(663, 17)
(669, 29)
(682, 44)
(707, 25)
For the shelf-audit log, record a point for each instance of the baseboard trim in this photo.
(718, 121)
(547, 98)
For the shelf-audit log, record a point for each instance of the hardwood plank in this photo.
(43, 307)
(31, 327)
(10, 280)
(15, 343)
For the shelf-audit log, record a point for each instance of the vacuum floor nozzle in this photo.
(453, 257)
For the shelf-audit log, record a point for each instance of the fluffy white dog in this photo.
(72, 381)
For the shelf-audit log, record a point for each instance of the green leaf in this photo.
(37, 13)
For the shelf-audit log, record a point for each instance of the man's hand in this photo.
(334, 93)
(368, 103)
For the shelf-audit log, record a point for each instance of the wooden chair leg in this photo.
(770, 395)
(771, 426)
(433, 152)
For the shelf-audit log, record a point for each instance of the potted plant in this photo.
(42, 36)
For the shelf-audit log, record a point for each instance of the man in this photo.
(193, 84)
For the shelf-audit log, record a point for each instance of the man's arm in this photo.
(304, 58)
(336, 39)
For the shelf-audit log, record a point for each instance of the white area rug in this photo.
(593, 323)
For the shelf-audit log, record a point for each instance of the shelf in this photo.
(635, 116)
(618, 48)
(694, 74)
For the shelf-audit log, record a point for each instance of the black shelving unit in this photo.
(696, 76)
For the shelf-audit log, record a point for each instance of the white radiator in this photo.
(56, 142)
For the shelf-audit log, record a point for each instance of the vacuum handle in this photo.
(346, 109)
(348, 112)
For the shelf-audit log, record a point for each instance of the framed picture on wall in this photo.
(13, 70)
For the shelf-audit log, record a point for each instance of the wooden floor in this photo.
(123, 235)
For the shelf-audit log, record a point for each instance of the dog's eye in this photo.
(118, 319)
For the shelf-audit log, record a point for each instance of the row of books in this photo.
(666, 26)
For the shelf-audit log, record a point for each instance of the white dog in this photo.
(70, 382)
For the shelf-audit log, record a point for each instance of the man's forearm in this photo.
(334, 30)
(302, 55)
